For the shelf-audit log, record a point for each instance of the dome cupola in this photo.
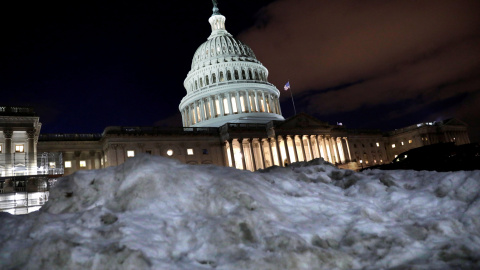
(226, 83)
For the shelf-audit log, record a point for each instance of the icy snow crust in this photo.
(156, 213)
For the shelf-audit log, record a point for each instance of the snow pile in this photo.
(156, 213)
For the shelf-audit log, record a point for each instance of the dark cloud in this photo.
(350, 56)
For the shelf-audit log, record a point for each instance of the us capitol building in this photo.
(231, 117)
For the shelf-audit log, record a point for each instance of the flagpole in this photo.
(293, 102)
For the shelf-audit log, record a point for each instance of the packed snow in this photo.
(156, 213)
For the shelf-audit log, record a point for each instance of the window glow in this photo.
(378, 144)
(51, 165)
(19, 148)
(169, 152)
(130, 153)
(83, 163)
(190, 151)
(402, 143)
(68, 164)
(393, 145)
(410, 141)
(225, 106)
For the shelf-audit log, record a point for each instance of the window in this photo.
(410, 141)
(1, 149)
(83, 163)
(51, 165)
(393, 145)
(169, 152)
(148, 152)
(402, 143)
(19, 148)
(190, 151)
(130, 153)
(378, 144)
(205, 151)
(68, 164)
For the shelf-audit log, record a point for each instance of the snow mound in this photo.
(156, 213)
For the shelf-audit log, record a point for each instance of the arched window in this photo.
(201, 82)
(206, 80)
(229, 75)
(256, 75)
(221, 76)
(250, 74)
(236, 74)
(196, 85)
(214, 79)
(243, 75)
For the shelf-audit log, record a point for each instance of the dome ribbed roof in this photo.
(222, 48)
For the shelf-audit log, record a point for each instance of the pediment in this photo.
(454, 122)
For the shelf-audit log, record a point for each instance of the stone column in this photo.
(252, 153)
(232, 154)
(262, 153)
(202, 110)
(212, 107)
(311, 147)
(345, 150)
(229, 103)
(220, 102)
(257, 109)
(243, 154)
(348, 149)
(32, 161)
(279, 153)
(303, 149)
(327, 149)
(333, 150)
(285, 142)
(8, 133)
(295, 150)
(264, 102)
(239, 105)
(247, 100)
(271, 151)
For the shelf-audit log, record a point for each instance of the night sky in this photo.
(86, 65)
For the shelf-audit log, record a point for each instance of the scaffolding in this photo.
(24, 185)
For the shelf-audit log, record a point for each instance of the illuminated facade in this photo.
(230, 116)
(227, 84)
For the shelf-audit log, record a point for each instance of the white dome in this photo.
(227, 84)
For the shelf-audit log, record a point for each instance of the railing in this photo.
(159, 130)
(70, 137)
(18, 164)
(10, 110)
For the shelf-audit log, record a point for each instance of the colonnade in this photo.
(239, 101)
(459, 137)
(259, 153)
(23, 161)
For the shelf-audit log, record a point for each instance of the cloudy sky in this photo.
(85, 65)
(374, 63)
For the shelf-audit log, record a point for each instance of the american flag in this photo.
(287, 86)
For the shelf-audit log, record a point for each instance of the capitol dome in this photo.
(227, 84)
